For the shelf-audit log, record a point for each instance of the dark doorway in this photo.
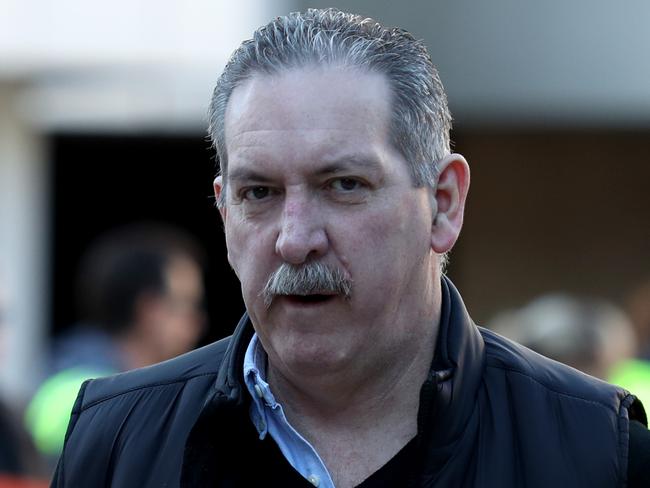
(102, 182)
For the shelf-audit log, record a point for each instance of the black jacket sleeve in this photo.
(57, 479)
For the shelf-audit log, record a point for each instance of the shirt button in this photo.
(314, 480)
(258, 391)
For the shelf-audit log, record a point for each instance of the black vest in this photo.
(492, 414)
(495, 414)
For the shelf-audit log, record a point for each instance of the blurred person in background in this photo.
(634, 374)
(638, 308)
(20, 465)
(139, 293)
(590, 335)
(593, 336)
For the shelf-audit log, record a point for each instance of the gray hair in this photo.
(420, 121)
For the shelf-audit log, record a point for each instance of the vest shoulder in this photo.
(204, 361)
(504, 355)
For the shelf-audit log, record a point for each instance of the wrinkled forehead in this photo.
(335, 96)
(307, 116)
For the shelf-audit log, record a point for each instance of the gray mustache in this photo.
(306, 279)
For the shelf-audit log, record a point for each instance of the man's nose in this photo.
(302, 232)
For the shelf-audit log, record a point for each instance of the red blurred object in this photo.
(20, 482)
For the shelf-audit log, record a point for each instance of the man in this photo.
(356, 364)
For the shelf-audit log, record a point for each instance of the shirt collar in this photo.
(268, 417)
(256, 384)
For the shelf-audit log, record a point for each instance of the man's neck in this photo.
(358, 422)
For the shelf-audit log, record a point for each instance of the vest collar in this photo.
(448, 397)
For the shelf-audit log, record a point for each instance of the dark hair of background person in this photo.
(122, 266)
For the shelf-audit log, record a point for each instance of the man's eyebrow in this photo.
(333, 166)
(347, 163)
(247, 174)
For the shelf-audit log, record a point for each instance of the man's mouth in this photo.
(313, 299)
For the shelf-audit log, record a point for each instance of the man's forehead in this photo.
(294, 97)
(308, 121)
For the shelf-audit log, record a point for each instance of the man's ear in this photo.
(449, 195)
(218, 191)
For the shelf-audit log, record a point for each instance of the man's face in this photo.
(312, 177)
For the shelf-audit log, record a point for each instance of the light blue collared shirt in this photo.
(268, 417)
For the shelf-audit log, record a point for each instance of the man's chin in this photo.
(309, 345)
(315, 361)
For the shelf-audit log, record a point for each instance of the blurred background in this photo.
(102, 125)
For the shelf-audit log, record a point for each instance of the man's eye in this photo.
(256, 193)
(345, 184)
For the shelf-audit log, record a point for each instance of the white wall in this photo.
(124, 64)
(555, 62)
(147, 63)
(23, 246)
